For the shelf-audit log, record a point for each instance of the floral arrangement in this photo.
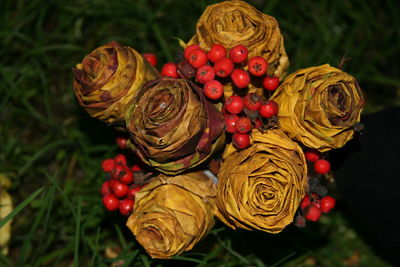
(221, 133)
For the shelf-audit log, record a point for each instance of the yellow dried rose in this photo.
(173, 126)
(173, 213)
(108, 78)
(318, 106)
(231, 23)
(261, 187)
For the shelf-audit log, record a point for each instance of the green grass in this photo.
(52, 150)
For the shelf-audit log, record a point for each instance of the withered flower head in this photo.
(108, 78)
(261, 187)
(231, 23)
(172, 214)
(173, 126)
(318, 106)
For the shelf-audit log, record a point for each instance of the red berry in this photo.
(132, 191)
(108, 165)
(312, 213)
(151, 58)
(238, 54)
(205, 74)
(252, 101)
(243, 125)
(305, 202)
(327, 203)
(269, 109)
(312, 155)
(257, 66)
(271, 83)
(216, 52)
(197, 58)
(136, 168)
(120, 159)
(120, 189)
(240, 78)
(127, 177)
(105, 188)
(240, 141)
(322, 166)
(234, 104)
(230, 122)
(213, 89)
(189, 49)
(223, 67)
(118, 171)
(121, 142)
(126, 206)
(110, 202)
(258, 124)
(169, 70)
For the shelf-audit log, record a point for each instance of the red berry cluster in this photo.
(119, 191)
(313, 206)
(213, 67)
(245, 113)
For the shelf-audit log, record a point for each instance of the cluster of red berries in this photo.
(217, 65)
(245, 113)
(313, 206)
(119, 190)
(321, 166)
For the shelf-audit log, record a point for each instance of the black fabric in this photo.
(367, 174)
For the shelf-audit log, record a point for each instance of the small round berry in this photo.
(240, 78)
(223, 67)
(230, 122)
(305, 202)
(252, 101)
(213, 89)
(189, 49)
(257, 66)
(108, 165)
(169, 70)
(105, 188)
(205, 74)
(216, 52)
(322, 166)
(243, 125)
(120, 159)
(240, 141)
(258, 124)
(327, 203)
(269, 109)
(118, 171)
(126, 206)
(121, 142)
(119, 189)
(312, 155)
(151, 58)
(136, 168)
(197, 58)
(110, 202)
(271, 83)
(234, 104)
(132, 191)
(312, 213)
(238, 54)
(127, 177)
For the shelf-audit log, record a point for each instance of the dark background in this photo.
(48, 143)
